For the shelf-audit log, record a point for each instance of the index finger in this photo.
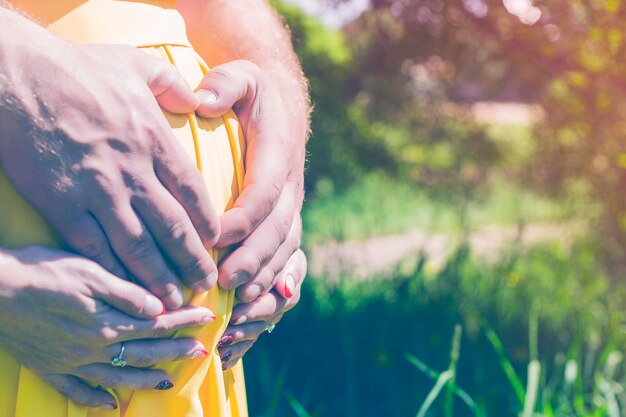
(266, 161)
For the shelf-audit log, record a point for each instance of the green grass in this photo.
(542, 335)
(379, 205)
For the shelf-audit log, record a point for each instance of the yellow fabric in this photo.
(201, 388)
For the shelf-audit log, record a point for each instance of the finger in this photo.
(108, 376)
(169, 88)
(126, 296)
(263, 308)
(230, 355)
(79, 392)
(145, 353)
(180, 176)
(258, 248)
(289, 280)
(242, 332)
(241, 85)
(135, 246)
(171, 228)
(121, 328)
(265, 278)
(84, 235)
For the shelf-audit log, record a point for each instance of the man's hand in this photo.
(82, 137)
(265, 217)
(73, 316)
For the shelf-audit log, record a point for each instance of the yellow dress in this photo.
(201, 388)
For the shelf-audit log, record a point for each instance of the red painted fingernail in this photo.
(210, 318)
(290, 284)
(199, 354)
(226, 340)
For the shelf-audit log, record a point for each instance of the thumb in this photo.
(227, 85)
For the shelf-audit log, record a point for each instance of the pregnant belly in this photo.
(217, 147)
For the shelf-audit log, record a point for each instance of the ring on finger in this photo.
(270, 326)
(119, 361)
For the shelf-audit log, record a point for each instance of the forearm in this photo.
(225, 30)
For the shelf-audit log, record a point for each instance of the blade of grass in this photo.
(434, 392)
(278, 387)
(506, 365)
(532, 388)
(434, 375)
(454, 359)
(296, 406)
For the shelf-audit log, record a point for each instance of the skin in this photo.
(97, 311)
(119, 188)
(155, 203)
(233, 34)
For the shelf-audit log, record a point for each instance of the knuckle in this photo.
(190, 193)
(161, 329)
(111, 380)
(138, 246)
(91, 248)
(146, 357)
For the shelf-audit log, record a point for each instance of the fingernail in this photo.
(226, 340)
(227, 356)
(290, 285)
(109, 406)
(256, 290)
(206, 96)
(212, 279)
(240, 320)
(209, 318)
(239, 278)
(153, 306)
(199, 354)
(164, 385)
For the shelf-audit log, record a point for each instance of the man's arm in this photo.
(264, 79)
(66, 145)
(226, 30)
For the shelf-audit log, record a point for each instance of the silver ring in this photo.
(119, 361)
(270, 326)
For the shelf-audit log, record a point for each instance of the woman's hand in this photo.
(266, 217)
(250, 320)
(73, 316)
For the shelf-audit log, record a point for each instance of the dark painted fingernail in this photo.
(164, 385)
(239, 279)
(226, 340)
(227, 356)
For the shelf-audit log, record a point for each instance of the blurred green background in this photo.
(465, 218)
